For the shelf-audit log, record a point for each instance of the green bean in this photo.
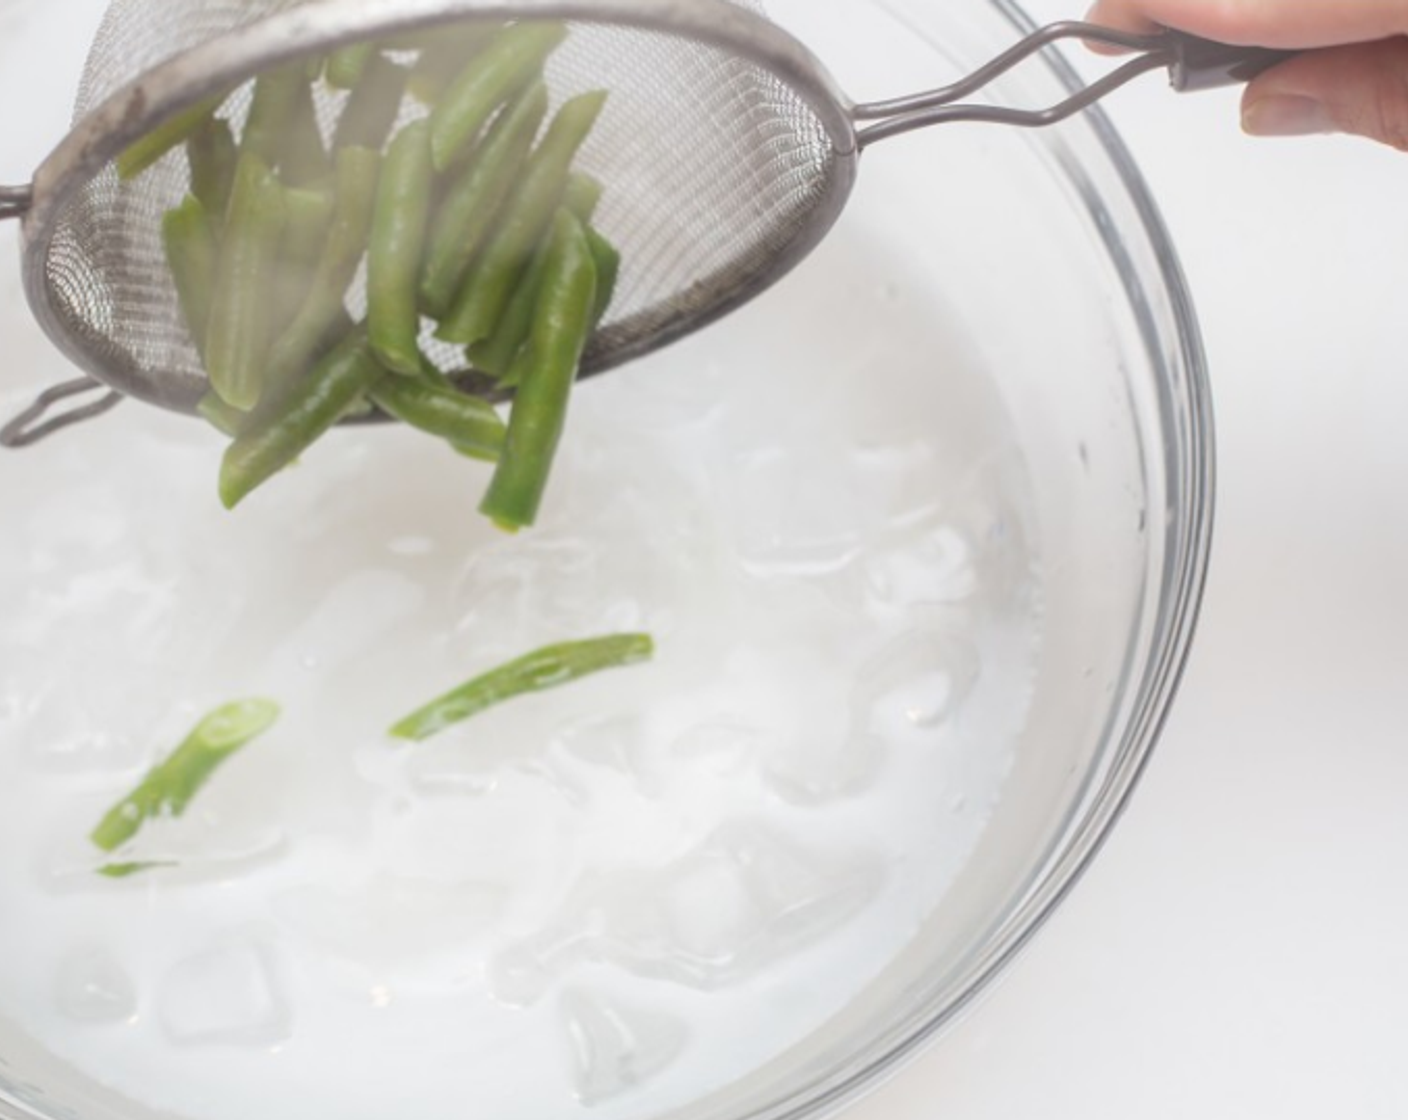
(127, 870)
(475, 453)
(275, 103)
(467, 214)
(324, 309)
(304, 414)
(418, 41)
(309, 212)
(445, 56)
(346, 67)
(582, 195)
(518, 369)
(561, 326)
(222, 417)
(242, 315)
(308, 217)
(607, 259)
(373, 108)
(496, 272)
(511, 60)
(467, 422)
(188, 237)
(432, 374)
(496, 354)
(303, 157)
(171, 133)
(503, 354)
(170, 786)
(546, 668)
(396, 249)
(213, 153)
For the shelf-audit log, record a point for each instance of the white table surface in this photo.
(1239, 949)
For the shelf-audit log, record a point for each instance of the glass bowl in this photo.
(921, 533)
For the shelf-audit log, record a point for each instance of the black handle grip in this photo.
(1202, 64)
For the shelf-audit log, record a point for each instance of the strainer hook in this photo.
(36, 421)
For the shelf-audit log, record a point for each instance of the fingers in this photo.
(1361, 90)
(1286, 24)
(1358, 82)
(1122, 15)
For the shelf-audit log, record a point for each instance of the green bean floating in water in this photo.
(550, 667)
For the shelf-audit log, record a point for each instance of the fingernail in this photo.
(1285, 115)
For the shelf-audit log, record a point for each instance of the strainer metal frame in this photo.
(237, 56)
(206, 70)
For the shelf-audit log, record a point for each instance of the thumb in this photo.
(1359, 89)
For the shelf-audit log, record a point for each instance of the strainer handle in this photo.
(15, 202)
(1203, 64)
(1192, 63)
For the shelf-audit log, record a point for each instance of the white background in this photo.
(1241, 948)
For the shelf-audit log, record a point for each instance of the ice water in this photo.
(608, 900)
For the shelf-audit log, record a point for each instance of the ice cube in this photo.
(197, 848)
(392, 922)
(611, 742)
(65, 723)
(799, 509)
(616, 1048)
(559, 584)
(229, 995)
(726, 746)
(915, 683)
(828, 753)
(352, 618)
(736, 904)
(806, 895)
(91, 987)
(923, 561)
(519, 977)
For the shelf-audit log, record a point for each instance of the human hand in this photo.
(1353, 79)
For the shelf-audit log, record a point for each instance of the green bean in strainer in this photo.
(346, 67)
(492, 77)
(308, 409)
(397, 248)
(468, 423)
(373, 107)
(303, 156)
(475, 198)
(324, 308)
(188, 238)
(445, 56)
(213, 154)
(562, 324)
(495, 274)
(242, 312)
(146, 151)
(275, 101)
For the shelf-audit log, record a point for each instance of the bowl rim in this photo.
(1182, 591)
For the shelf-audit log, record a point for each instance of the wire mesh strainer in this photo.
(728, 149)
